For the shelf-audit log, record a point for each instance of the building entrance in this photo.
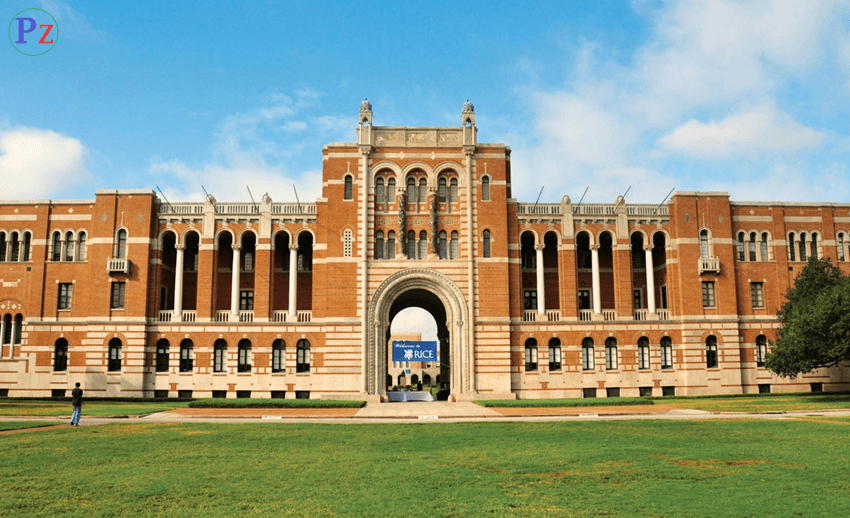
(438, 295)
(418, 316)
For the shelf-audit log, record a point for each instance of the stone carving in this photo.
(365, 105)
(386, 137)
(467, 107)
(417, 137)
(449, 137)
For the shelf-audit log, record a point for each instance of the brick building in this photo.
(134, 296)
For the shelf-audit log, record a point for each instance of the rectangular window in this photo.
(114, 358)
(117, 295)
(529, 299)
(65, 292)
(244, 364)
(643, 357)
(610, 358)
(218, 361)
(186, 359)
(757, 292)
(278, 360)
(708, 300)
(530, 359)
(584, 299)
(666, 356)
(555, 358)
(246, 300)
(587, 361)
(162, 359)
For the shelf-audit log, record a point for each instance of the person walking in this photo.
(77, 403)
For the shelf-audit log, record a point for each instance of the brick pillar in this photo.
(263, 274)
(206, 282)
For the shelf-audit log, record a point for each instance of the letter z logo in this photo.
(26, 22)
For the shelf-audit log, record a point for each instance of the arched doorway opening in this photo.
(414, 317)
(438, 295)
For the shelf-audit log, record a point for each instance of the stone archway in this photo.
(379, 314)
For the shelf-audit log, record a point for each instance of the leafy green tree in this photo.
(815, 329)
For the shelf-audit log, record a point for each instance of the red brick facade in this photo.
(480, 262)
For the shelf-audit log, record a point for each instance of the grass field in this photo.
(14, 407)
(755, 403)
(18, 425)
(583, 469)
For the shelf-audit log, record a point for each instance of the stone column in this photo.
(3, 337)
(178, 284)
(401, 238)
(597, 289)
(434, 245)
(650, 281)
(293, 276)
(541, 287)
(12, 338)
(234, 282)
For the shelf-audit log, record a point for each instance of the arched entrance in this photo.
(440, 296)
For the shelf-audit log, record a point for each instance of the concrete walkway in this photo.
(425, 410)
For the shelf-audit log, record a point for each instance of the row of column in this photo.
(597, 291)
(234, 281)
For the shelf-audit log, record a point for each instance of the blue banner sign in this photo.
(409, 351)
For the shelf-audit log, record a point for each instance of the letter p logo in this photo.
(22, 31)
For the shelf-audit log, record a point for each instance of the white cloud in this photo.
(36, 163)
(749, 133)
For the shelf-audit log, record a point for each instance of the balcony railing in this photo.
(238, 208)
(190, 316)
(115, 265)
(663, 314)
(305, 316)
(279, 316)
(553, 315)
(529, 315)
(641, 314)
(709, 264)
(609, 314)
(585, 315)
(222, 316)
(167, 315)
(540, 208)
(246, 316)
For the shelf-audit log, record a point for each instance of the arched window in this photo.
(761, 350)
(162, 347)
(814, 246)
(278, 356)
(244, 360)
(741, 255)
(711, 352)
(530, 355)
(69, 246)
(454, 249)
(841, 252)
(423, 244)
(379, 191)
(391, 190)
(186, 355)
(219, 354)
(643, 352)
(2, 247)
(57, 247)
(765, 255)
(587, 361)
(791, 252)
(443, 245)
(379, 244)
(19, 328)
(114, 363)
(486, 243)
(60, 355)
(423, 190)
(441, 191)
(453, 191)
(349, 194)
(703, 244)
(121, 245)
(485, 188)
(611, 354)
(302, 361)
(26, 247)
(802, 244)
(16, 248)
(391, 244)
(554, 354)
(752, 246)
(411, 190)
(411, 244)
(81, 247)
(666, 353)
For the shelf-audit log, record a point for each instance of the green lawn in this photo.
(14, 407)
(18, 425)
(584, 469)
(756, 403)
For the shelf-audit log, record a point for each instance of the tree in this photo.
(815, 329)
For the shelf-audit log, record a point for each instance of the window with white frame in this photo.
(643, 352)
(611, 354)
(841, 250)
(666, 353)
(761, 350)
(530, 355)
(380, 192)
(219, 355)
(66, 290)
(121, 244)
(708, 298)
(349, 188)
(587, 360)
(554, 354)
(487, 243)
(757, 293)
(711, 352)
(485, 188)
(278, 356)
(765, 254)
(391, 244)
(347, 237)
(379, 244)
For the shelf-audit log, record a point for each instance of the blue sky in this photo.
(749, 98)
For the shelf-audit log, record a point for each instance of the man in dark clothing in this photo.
(77, 403)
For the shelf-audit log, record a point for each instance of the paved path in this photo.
(434, 412)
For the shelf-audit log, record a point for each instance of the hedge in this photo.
(275, 403)
(562, 403)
